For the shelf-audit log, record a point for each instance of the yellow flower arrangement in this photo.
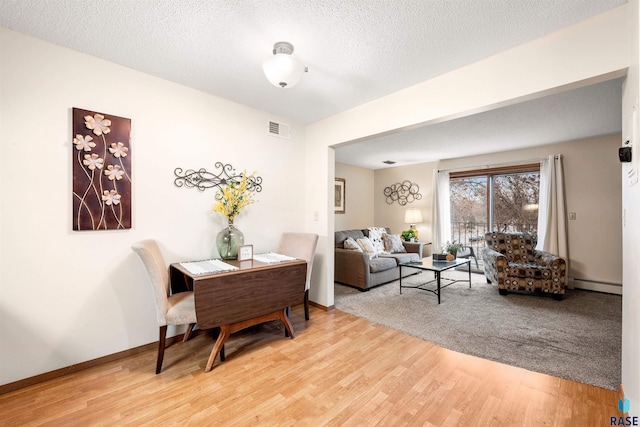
(234, 197)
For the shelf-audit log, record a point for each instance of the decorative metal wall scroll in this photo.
(203, 179)
(101, 171)
(402, 192)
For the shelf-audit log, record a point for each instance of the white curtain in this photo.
(441, 211)
(552, 217)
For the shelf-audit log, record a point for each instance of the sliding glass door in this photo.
(498, 199)
(470, 213)
(514, 202)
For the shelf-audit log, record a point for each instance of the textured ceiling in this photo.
(582, 113)
(356, 50)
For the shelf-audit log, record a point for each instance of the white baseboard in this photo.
(598, 286)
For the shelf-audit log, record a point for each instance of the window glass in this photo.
(500, 199)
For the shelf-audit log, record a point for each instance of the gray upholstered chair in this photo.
(512, 262)
(301, 246)
(178, 309)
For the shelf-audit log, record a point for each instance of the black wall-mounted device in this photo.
(624, 153)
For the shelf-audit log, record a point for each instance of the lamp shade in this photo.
(413, 216)
(283, 69)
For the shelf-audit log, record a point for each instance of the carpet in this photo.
(579, 338)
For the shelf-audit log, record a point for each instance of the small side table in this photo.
(417, 247)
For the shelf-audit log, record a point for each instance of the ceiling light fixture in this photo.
(283, 69)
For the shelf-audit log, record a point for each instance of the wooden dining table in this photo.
(254, 293)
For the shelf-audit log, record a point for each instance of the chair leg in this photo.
(161, 344)
(472, 254)
(188, 332)
(287, 312)
(306, 304)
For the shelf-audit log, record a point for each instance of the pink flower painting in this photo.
(101, 171)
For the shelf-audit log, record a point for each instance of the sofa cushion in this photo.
(375, 235)
(402, 257)
(351, 244)
(367, 247)
(526, 270)
(382, 263)
(341, 236)
(393, 243)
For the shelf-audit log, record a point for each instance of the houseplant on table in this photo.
(409, 235)
(231, 199)
(452, 248)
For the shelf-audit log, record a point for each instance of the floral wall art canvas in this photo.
(101, 171)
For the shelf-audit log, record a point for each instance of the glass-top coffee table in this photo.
(428, 264)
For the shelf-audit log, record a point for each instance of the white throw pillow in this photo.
(393, 243)
(351, 244)
(375, 235)
(367, 247)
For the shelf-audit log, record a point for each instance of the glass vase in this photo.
(228, 240)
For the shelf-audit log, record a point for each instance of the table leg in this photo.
(469, 264)
(400, 280)
(225, 331)
(438, 280)
(287, 324)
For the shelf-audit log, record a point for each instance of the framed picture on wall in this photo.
(339, 197)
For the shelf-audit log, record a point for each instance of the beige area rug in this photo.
(578, 338)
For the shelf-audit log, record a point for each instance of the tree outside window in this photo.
(501, 199)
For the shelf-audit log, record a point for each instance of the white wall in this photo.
(392, 215)
(68, 297)
(359, 197)
(631, 227)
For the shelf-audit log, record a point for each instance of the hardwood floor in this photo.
(340, 370)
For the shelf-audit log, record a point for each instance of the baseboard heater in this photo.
(597, 285)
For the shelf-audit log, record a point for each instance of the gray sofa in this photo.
(355, 269)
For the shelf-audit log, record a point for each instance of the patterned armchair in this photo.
(511, 262)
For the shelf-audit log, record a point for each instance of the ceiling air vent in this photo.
(280, 130)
